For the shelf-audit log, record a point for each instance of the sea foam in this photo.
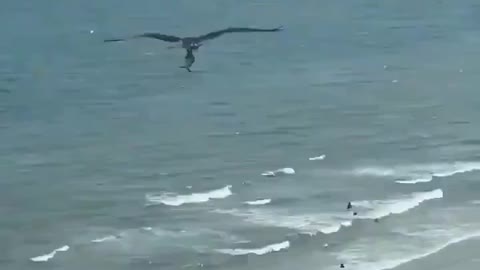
(279, 171)
(177, 200)
(360, 258)
(310, 224)
(46, 257)
(419, 173)
(259, 202)
(104, 239)
(321, 157)
(382, 208)
(257, 251)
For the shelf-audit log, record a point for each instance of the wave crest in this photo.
(321, 157)
(382, 208)
(257, 251)
(46, 257)
(279, 171)
(259, 202)
(390, 259)
(177, 200)
(104, 239)
(420, 173)
(310, 224)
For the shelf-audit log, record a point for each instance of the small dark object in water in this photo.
(349, 206)
(342, 265)
(376, 220)
(354, 213)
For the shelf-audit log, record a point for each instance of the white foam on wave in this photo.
(177, 200)
(415, 181)
(328, 223)
(191, 235)
(257, 251)
(310, 224)
(419, 173)
(104, 239)
(382, 208)
(279, 171)
(374, 171)
(46, 257)
(268, 173)
(321, 157)
(360, 258)
(259, 202)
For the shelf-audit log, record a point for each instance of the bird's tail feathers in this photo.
(115, 39)
(122, 39)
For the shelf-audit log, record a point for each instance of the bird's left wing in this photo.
(218, 33)
(167, 38)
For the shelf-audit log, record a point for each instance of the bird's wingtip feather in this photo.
(113, 40)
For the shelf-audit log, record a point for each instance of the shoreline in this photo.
(461, 255)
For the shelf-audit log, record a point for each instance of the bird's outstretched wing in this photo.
(167, 38)
(218, 33)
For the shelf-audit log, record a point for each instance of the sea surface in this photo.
(114, 158)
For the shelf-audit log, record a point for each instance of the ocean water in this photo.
(112, 157)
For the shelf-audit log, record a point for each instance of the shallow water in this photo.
(131, 162)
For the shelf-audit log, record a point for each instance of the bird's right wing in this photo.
(167, 38)
(218, 33)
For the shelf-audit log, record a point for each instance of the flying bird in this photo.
(191, 44)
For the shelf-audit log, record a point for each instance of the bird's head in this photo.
(195, 45)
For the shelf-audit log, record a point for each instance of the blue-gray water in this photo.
(133, 163)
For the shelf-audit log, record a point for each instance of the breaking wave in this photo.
(279, 171)
(104, 239)
(321, 157)
(332, 222)
(420, 173)
(257, 251)
(307, 223)
(415, 181)
(177, 200)
(259, 202)
(360, 258)
(382, 208)
(46, 257)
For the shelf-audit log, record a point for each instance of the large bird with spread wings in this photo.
(191, 44)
